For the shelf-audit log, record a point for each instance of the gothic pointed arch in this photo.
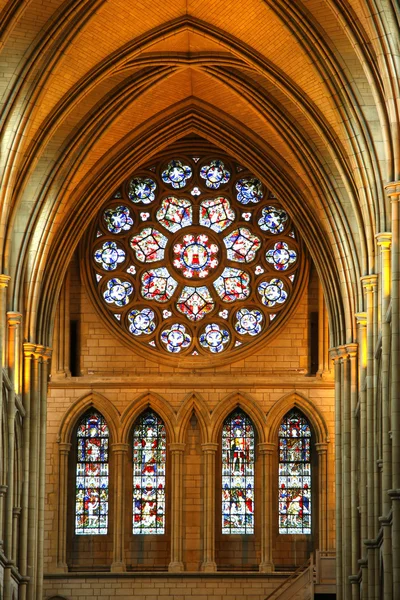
(193, 403)
(228, 405)
(146, 401)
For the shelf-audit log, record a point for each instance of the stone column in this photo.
(369, 283)
(336, 355)
(119, 453)
(346, 475)
(209, 453)
(393, 191)
(16, 515)
(322, 451)
(384, 242)
(3, 491)
(4, 280)
(64, 450)
(62, 332)
(361, 319)
(323, 334)
(267, 451)
(176, 453)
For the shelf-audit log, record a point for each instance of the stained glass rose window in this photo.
(194, 258)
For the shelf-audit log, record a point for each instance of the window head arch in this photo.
(294, 474)
(149, 463)
(92, 475)
(238, 474)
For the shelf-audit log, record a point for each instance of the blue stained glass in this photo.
(272, 219)
(294, 474)
(216, 214)
(232, 285)
(149, 461)
(281, 256)
(109, 256)
(272, 292)
(248, 321)
(158, 285)
(175, 213)
(249, 190)
(142, 189)
(118, 292)
(214, 338)
(215, 174)
(141, 321)
(238, 474)
(118, 219)
(91, 482)
(175, 338)
(176, 174)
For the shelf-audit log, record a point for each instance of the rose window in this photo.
(194, 257)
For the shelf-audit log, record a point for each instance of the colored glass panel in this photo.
(242, 245)
(149, 245)
(272, 219)
(158, 285)
(118, 219)
(142, 189)
(249, 190)
(294, 474)
(109, 256)
(91, 482)
(281, 256)
(232, 285)
(214, 338)
(216, 214)
(196, 255)
(175, 213)
(176, 174)
(118, 292)
(141, 321)
(238, 474)
(149, 460)
(215, 174)
(272, 292)
(175, 338)
(195, 303)
(248, 321)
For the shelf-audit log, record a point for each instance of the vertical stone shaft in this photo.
(384, 242)
(176, 451)
(266, 451)
(346, 476)
(42, 469)
(369, 283)
(322, 450)
(209, 454)
(4, 279)
(119, 452)
(393, 191)
(323, 333)
(64, 451)
(354, 462)
(336, 355)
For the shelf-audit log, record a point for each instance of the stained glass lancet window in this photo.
(91, 494)
(294, 474)
(237, 474)
(149, 458)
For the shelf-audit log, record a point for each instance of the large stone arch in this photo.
(155, 402)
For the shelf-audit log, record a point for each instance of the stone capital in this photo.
(266, 448)
(337, 353)
(393, 190)
(4, 281)
(177, 447)
(384, 240)
(119, 448)
(209, 448)
(361, 318)
(64, 447)
(321, 447)
(14, 319)
(352, 350)
(369, 282)
(394, 494)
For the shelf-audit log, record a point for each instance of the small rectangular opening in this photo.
(313, 344)
(74, 349)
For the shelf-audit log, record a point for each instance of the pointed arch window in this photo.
(149, 463)
(294, 474)
(237, 474)
(92, 475)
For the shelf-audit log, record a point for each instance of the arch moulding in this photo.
(247, 404)
(140, 404)
(193, 403)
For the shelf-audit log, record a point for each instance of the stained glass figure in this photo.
(175, 338)
(233, 285)
(294, 474)
(272, 219)
(91, 483)
(158, 285)
(195, 302)
(109, 256)
(149, 460)
(272, 292)
(142, 189)
(248, 321)
(118, 219)
(216, 214)
(141, 321)
(249, 189)
(175, 213)
(281, 256)
(196, 255)
(176, 174)
(214, 338)
(242, 245)
(215, 174)
(238, 474)
(118, 292)
(149, 245)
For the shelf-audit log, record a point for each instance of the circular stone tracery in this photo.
(195, 275)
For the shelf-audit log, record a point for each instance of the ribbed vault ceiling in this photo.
(300, 92)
